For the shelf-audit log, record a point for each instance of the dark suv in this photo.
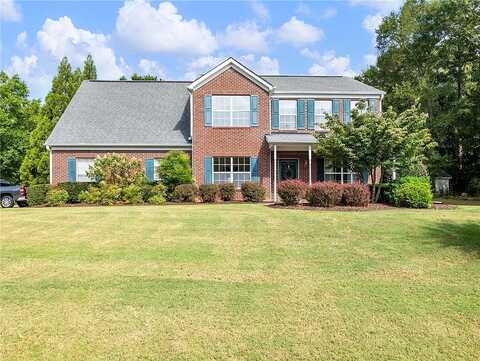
(9, 194)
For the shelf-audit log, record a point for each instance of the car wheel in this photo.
(7, 201)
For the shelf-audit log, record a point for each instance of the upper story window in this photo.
(83, 164)
(230, 111)
(287, 114)
(322, 107)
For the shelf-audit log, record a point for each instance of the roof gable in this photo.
(228, 64)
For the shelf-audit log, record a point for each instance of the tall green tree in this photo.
(17, 119)
(429, 52)
(89, 69)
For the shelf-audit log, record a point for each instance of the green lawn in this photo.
(230, 282)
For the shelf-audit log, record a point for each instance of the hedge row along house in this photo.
(236, 125)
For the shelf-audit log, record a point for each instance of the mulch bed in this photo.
(371, 207)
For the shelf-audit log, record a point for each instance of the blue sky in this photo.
(179, 40)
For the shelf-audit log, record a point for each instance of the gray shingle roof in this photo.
(320, 84)
(290, 138)
(125, 113)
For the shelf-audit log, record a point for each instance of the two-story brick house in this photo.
(236, 125)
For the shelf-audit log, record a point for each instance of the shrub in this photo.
(227, 191)
(147, 191)
(474, 187)
(157, 199)
(185, 193)
(117, 170)
(208, 192)
(37, 194)
(74, 189)
(253, 192)
(356, 195)
(56, 197)
(324, 194)
(175, 170)
(132, 194)
(102, 194)
(412, 192)
(291, 191)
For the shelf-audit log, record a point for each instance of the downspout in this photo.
(50, 175)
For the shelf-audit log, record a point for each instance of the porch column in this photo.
(310, 165)
(275, 173)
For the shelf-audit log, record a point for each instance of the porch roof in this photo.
(290, 138)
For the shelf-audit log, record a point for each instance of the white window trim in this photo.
(231, 170)
(77, 173)
(231, 125)
(342, 173)
(320, 126)
(156, 165)
(280, 114)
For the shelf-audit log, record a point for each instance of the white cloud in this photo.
(245, 36)
(27, 68)
(10, 11)
(383, 6)
(297, 32)
(201, 65)
(163, 29)
(328, 63)
(151, 67)
(61, 38)
(372, 22)
(370, 59)
(263, 65)
(260, 10)
(21, 42)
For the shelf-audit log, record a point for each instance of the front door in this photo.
(288, 169)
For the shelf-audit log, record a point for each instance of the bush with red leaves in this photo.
(291, 191)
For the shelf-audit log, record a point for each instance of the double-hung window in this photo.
(234, 170)
(83, 164)
(337, 173)
(355, 104)
(156, 168)
(322, 108)
(287, 114)
(230, 111)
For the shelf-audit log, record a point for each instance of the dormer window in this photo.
(230, 111)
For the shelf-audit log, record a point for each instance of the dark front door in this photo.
(288, 169)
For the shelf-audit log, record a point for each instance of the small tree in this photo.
(376, 142)
(116, 169)
(174, 170)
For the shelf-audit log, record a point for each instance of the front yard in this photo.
(239, 281)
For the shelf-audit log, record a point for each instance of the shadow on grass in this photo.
(465, 236)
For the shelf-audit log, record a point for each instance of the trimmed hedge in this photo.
(291, 191)
(57, 197)
(355, 195)
(324, 194)
(37, 194)
(74, 189)
(226, 191)
(185, 193)
(253, 192)
(208, 193)
(102, 194)
(412, 192)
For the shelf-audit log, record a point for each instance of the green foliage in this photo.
(157, 199)
(474, 187)
(37, 194)
(208, 193)
(56, 197)
(17, 119)
(253, 192)
(74, 189)
(412, 192)
(377, 142)
(117, 169)
(185, 193)
(136, 76)
(226, 191)
(132, 194)
(175, 169)
(428, 54)
(89, 69)
(102, 194)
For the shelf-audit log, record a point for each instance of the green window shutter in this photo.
(150, 169)
(72, 169)
(207, 110)
(311, 113)
(336, 107)
(254, 171)
(254, 111)
(208, 170)
(275, 114)
(346, 111)
(372, 105)
(365, 176)
(320, 169)
(300, 113)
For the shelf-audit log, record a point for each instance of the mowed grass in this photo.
(239, 282)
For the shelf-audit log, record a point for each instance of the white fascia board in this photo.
(332, 95)
(227, 64)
